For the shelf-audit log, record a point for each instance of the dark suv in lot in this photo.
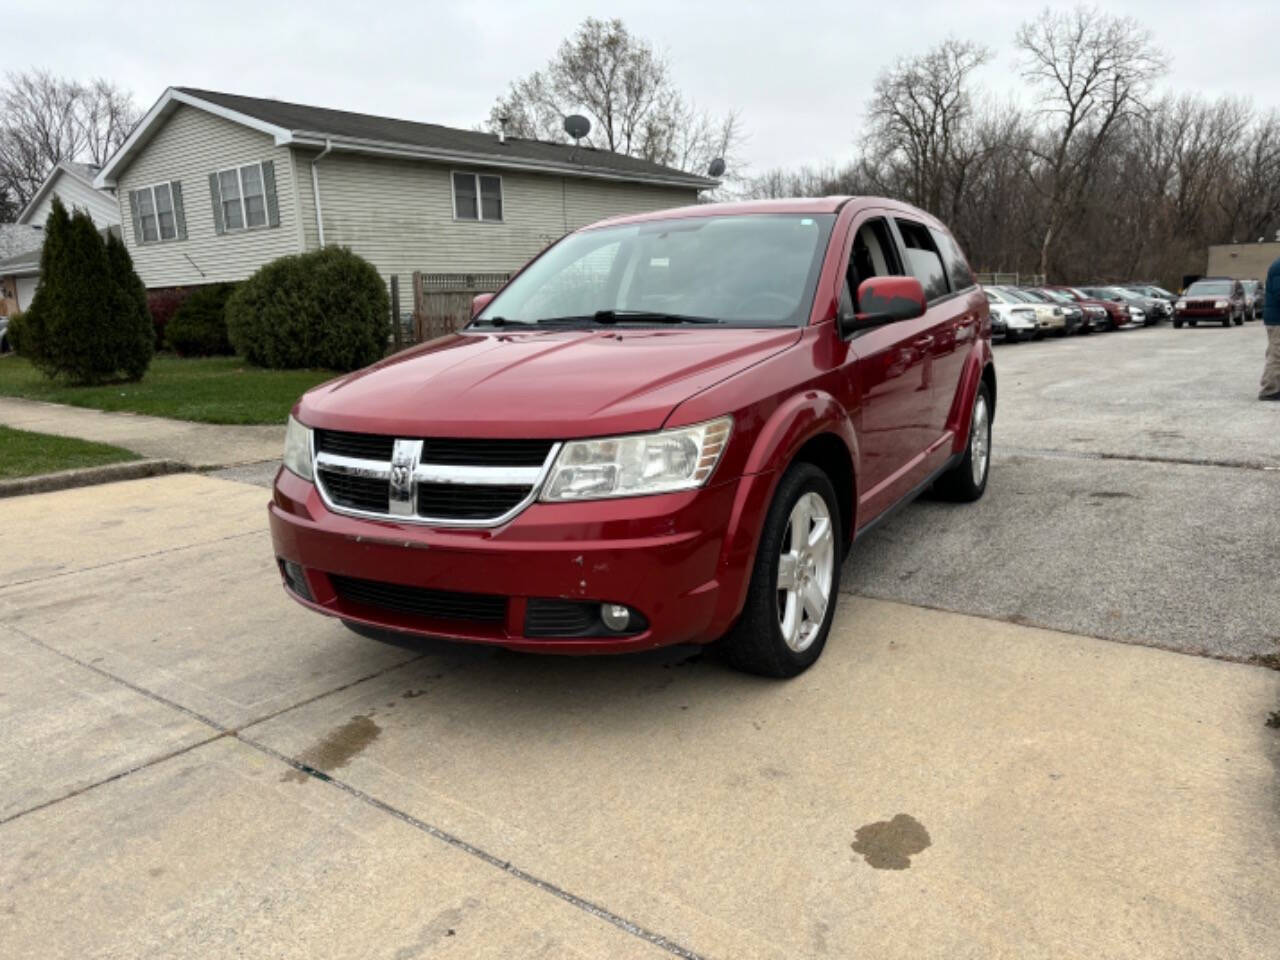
(667, 428)
(1211, 300)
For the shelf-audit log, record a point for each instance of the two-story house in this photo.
(211, 186)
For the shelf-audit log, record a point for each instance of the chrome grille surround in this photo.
(405, 471)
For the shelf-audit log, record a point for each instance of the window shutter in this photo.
(133, 215)
(216, 194)
(179, 211)
(269, 188)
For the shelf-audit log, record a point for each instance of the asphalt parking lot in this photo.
(193, 766)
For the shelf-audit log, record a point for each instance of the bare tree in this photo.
(1094, 71)
(626, 89)
(45, 119)
(918, 114)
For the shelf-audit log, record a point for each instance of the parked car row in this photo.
(1026, 313)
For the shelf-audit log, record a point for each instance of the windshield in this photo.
(1218, 288)
(757, 270)
(1057, 295)
(1021, 295)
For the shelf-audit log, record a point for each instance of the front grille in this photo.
(363, 446)
(356, 493)
(420, 601)
(463, 480)
(485, 453)
(457, 501)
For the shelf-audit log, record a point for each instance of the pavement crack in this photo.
(123, 560)
(506, 866)
(1047, 453)
(119, 775)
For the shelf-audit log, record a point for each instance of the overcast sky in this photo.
(799, 72)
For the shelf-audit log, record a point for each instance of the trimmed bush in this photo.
(88, 321)
(134, 334)
(327, 308)
(199, 326)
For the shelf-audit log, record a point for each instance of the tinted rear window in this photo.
(953, 259)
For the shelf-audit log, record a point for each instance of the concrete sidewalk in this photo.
(940, 785)
(199, 445)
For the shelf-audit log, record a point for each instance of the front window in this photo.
(154, 207)
(243, 197)
(749, 270)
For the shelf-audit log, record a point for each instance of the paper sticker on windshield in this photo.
(660, 262)
(806, 222)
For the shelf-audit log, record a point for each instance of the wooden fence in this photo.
(442, 301)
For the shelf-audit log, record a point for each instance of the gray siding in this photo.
(100, 205)
(191, 145)
(1242, 261)
(398, 214)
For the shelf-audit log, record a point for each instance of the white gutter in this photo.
(315, 190)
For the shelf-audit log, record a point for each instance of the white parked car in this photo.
(1012, 322)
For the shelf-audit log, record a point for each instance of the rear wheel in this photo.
(1226, 321)
(967, 480)
(795, 581)
(1177, 324)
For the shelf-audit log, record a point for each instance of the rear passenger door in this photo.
(951, 321)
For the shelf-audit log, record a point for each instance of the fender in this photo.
(958, 419)
(795, 422)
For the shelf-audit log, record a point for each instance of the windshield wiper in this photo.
(648, 316)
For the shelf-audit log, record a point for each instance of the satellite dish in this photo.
(577, 126)
(716, 168)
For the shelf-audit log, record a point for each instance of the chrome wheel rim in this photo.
(980, 440)
(806, 568)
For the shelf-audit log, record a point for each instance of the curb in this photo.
(89, 476)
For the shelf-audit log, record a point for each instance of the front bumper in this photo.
(681, 560)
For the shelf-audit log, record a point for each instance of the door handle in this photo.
(925, 341)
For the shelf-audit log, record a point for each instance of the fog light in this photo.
(295, 578)
(615, 616)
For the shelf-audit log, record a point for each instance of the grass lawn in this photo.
(208, 389)
(24, 454)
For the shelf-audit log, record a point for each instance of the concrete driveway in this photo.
(194, 766)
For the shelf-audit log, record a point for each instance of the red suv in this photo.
(668, 428)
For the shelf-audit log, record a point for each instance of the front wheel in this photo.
(1177, 324)
(795, 581)
(967, 480)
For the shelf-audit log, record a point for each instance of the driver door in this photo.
(892, 382)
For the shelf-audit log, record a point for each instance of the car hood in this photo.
(542, 383)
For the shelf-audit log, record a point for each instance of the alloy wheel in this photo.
(805, 569)
(980, 440)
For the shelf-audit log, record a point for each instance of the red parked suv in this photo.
(667, 428)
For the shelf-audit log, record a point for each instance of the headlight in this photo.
(297, 449)
(1182, 304)
(1219, 304)
(630, 466)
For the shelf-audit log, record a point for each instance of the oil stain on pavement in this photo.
(337, 748)
(890, 844)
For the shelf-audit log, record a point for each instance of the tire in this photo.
(757, 642)
(1192, 322)
(1226, 321)
(967, 480)
(1177, 324)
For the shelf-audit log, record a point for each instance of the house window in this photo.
(477, 196)
(243, 197)
(156, 220)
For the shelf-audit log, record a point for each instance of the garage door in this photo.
(26, 290)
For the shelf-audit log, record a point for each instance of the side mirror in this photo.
(479, 302)
(885, 300)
